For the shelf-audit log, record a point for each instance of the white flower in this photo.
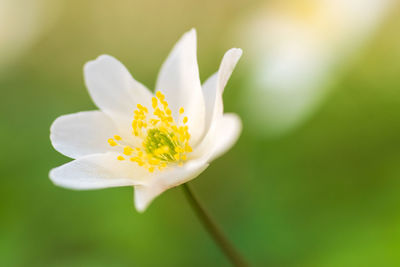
(151, 142)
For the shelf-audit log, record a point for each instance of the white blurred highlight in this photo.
(297, 48)
(22, 22)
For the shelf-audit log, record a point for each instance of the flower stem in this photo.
(230, 252)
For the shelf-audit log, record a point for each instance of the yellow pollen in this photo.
(160, 95)
(154, 102)
(128, 150)
(188, 148)
(112, 142)
(163, 142)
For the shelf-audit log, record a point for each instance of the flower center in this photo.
(163, 141)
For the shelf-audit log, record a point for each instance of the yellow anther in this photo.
(117, 137)
(120, 158)
(112, 142)
(157, 112)
(176, 156)
(181, 110)
(188, 148)
(128, 150)
(178, 149)
(154, 161)
(151, 169)
(165, 103)
(168, 111)
(154, 102)
(142, 109)
(160, 95)
(185, 120)
(158, 151)
(184, 157)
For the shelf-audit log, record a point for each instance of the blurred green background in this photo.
(325, 194)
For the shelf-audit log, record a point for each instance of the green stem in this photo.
(230, 252)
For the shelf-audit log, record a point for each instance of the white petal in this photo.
(214, 87)
(212, 100)
(80, 134)
(227, 66)
(179, 81)
(220, 138)
(163, 180)
(228, 133)
(98, 171)
(114, 90)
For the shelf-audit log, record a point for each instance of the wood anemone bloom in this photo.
(152, 142)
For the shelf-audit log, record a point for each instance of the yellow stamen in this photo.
(163, 142)
(112, 142)
(128, 150)
(154, 102)
(160, 95)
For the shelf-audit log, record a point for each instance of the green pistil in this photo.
(157, 139)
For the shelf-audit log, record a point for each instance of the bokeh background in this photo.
(323, 192)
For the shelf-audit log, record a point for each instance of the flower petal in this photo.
(80, 134)
(220, 138)
(98, 171)
(114, 90)
(215, 85)
(228, 132)
(158, 182)
(179, 81)
(213, 89)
